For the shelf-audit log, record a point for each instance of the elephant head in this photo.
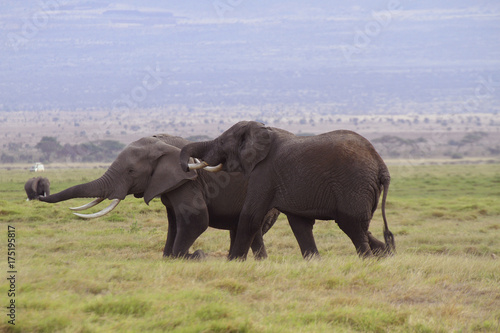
(37, 187)
(239, 149)
(146, 168)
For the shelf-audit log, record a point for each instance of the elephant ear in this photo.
(34, 184)
(167, 175)
(255, 146)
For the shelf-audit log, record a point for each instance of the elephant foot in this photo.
(379, 249)
(197, 255)
(312, 256)
(387, 252)
(260, 257)
(381, 253)
(236, 258)
(260, 254)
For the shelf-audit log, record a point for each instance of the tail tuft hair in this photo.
(390, 245)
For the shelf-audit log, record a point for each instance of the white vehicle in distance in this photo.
(37, 167)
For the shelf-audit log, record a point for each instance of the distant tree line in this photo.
(51, 150)
(394, 146)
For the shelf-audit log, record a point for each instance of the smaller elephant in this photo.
(37, 187)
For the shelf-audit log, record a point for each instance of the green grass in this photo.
(107, 274)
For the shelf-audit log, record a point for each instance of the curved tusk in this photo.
(103, 212)
(89, 205)
(204, 166)
(196, 166)
(213, 168)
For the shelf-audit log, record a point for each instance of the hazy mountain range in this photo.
(358, 56)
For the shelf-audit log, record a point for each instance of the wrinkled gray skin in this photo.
(37, 187)
(334, 176)
(150, 167)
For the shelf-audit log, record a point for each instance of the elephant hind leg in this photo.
(303, 230)
(258, 247)
(358, 233)
(232, 237)
(378, 247)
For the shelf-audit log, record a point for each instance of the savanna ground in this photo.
(107, 274)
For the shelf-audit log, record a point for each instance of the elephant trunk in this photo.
(95, 189)
(100, 188)
(195, 149)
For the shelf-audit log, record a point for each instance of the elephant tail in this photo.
(390, 245)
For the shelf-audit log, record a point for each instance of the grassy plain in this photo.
(107, 275)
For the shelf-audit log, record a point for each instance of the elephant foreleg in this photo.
(303, 230)
(248, 226)
(189, 228)
(171, 234)
(187, 220)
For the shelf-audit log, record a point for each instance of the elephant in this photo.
(37, 187)
(148, 168)
(333, 176)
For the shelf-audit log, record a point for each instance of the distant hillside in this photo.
(365, 57)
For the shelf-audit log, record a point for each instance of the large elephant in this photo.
(333, 176)
(149, 167)
(37, 187)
